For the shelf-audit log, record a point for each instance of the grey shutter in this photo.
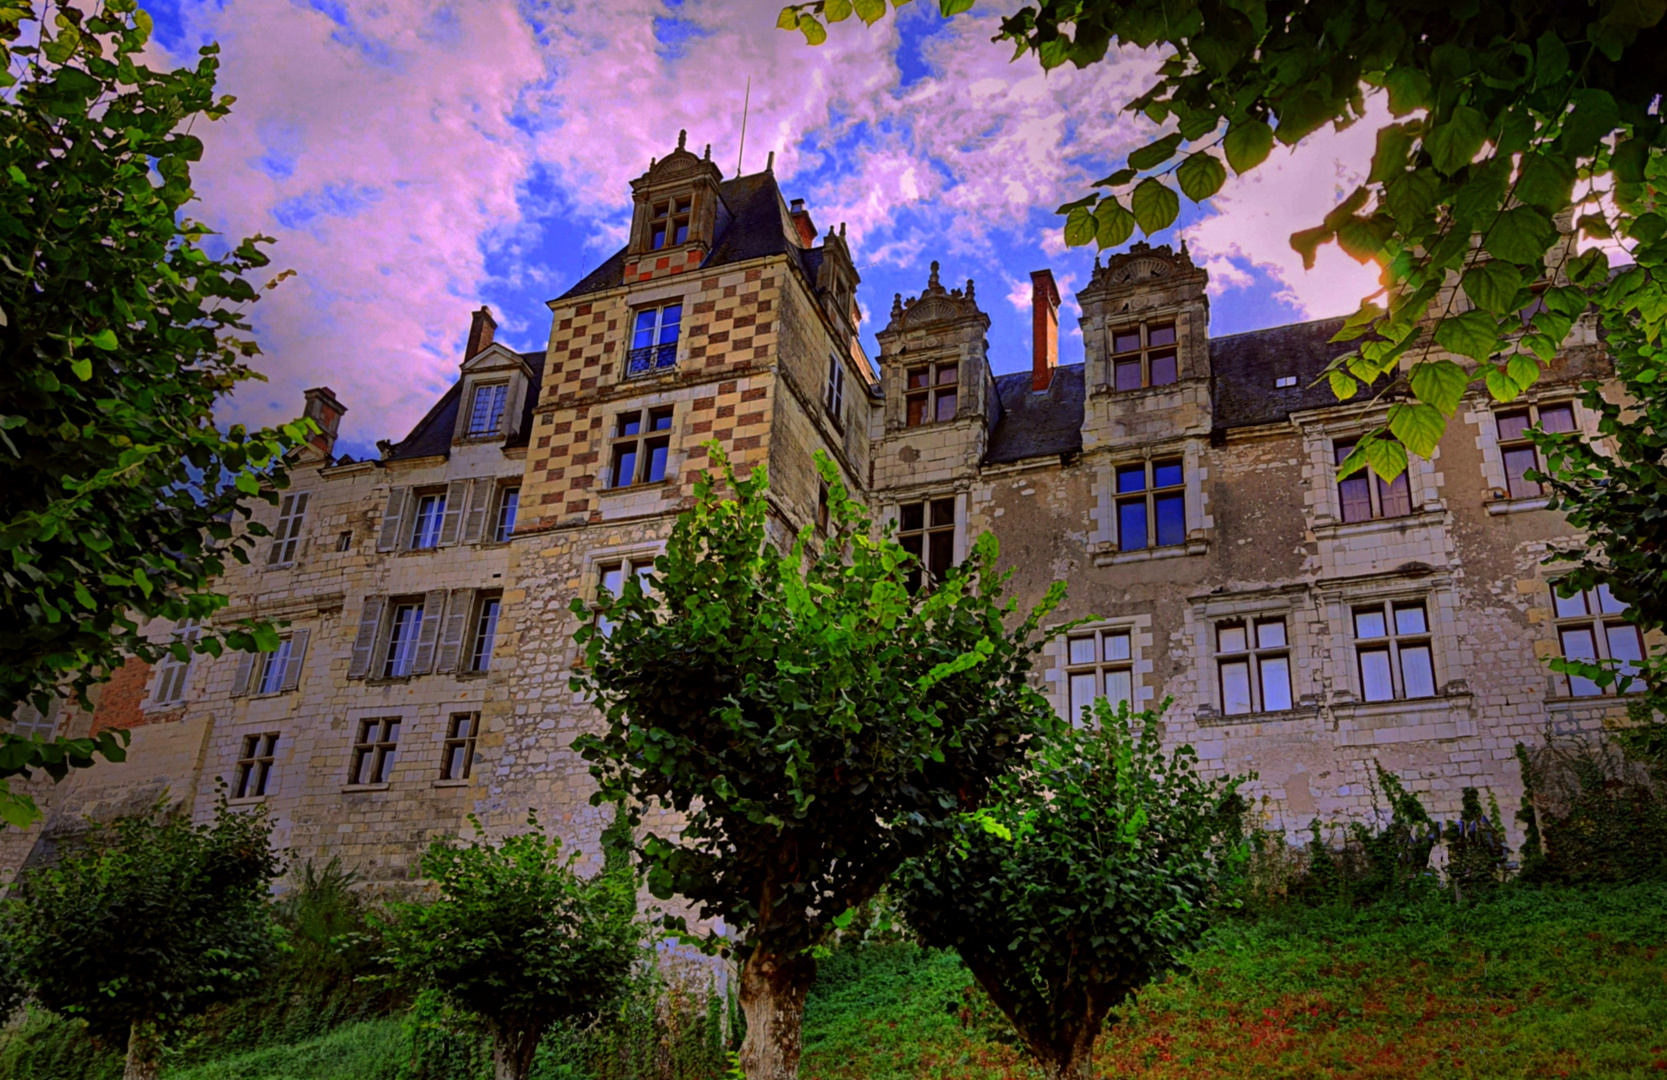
(370, 622)
(245, 672)
(286, 510)
(297, 655)
(392, 516)
(514, 402)
(457, 493)
(434, 609)
(480, 503)
(451, 635)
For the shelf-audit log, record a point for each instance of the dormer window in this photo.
(486, 414)
(669, 224)
(654, 341)
(1143, 356)
(930, 394)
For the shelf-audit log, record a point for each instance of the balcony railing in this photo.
(650, 359)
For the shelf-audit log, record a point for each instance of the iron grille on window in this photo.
(654, 340)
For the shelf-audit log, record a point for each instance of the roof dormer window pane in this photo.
(654, 340)
(669, 223)
(487, 415)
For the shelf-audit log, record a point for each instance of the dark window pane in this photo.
(915, 411)
(625, 467)
(943, 511)
(659, 239)
(914, 516)
(1579, 644)
(1161, 335)
(1395, 496)
(1172, 520)
(1511, 425)
(1342, 450)
(941, 553)
(656, 463)
(946, 374)
(1131, 524)
(1163, 368)
(1557, 419)
(1518, 460)
(1356, 497)
(1125, 341)
(914, 545)
(1131, 478)
(1166, 474)
(946, 405)
(919, 377)
(682, 232)
(629, 424)
(1128, 375)
(659, 420)
(671, 319)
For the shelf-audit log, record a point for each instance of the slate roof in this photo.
(432, 435)
(1037, 424)
(755, 229)
(1245, 366)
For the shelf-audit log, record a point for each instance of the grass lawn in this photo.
(1534, 983)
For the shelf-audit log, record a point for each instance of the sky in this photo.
(414, 159)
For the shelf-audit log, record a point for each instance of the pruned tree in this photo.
(1086, 876)
(119, 332)
(517, 938)
(809, 720)
(146, 922)
(1505, 119)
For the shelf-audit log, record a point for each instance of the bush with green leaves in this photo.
(1088, 875)
(517, 938)
(120, 331)
(810, 720)
(146, 922)
(1593, 813)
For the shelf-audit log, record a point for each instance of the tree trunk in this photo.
(513, 1052)
(773, 992)
(144, 1052)
(1070, 1059)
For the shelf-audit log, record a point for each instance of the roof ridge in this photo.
(1278, 326)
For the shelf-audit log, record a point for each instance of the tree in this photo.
(1082, 880)
(1506, 119)
(810, 720)
(119, 331)
(147, 922)
(517, 938)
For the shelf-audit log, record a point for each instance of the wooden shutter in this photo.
(450, 657)
(245, 672)
(297, 654)
(434, 609)
(280, 532)
(514, 403)
(457, 493)
(480, 504)
(364, 645)
(392, 517)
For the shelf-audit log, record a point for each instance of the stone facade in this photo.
(1183, 486)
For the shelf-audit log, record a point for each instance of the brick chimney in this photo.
(324, 410)
(801, 222)
(481, 328)
(1044, 328)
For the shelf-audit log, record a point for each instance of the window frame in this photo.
(395, 641)
(1394, 643)
(639, 563)
(1255, 656)
(273, 665)
(1143, 354)
(456, 743)
(659, 354)
(1149, 497)
(503, 530)
(377, 738)
(669, 215)
(483, 632)
(1601, 613)
(640, 443)
(286, 533)
(171, 667)
(925, 572)
(833, 394)
(931, 393)
(1376, 488)
(470, 431)
(256, 762)
(436, 497)
(1097, 667)
(1507, 446)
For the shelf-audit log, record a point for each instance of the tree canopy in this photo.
(122, 324)
(809, 720)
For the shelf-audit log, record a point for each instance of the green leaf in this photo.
(836, 10)
(1551, 60)
(1589, 267)
(1454, 143)
(247, 483)
(1409, 90)
(815, 33)
(1630, 160)
(1501, 386)
(788, 19)
(1201, 175)
(1307, 242)
(951, 8)
(1492, 286)
(1302, 115)
(1113, 225)
(1595, 116)
(1546, 181)
(1418, 426)
(1474, 334)
(1247, 145)
(105, 339)
(1079, 227)
(1343, 385)
(1118, 178)
(1441, 383)
(1394, 148)
(1386, 457)
(1521, 235)
(1156, 153)
(82, 367)
(1155, 206)
(1522, 370)
(1411, 196)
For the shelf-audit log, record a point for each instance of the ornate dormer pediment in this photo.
(1145, 268)
(933, 306)
(837, 279)
(495, 357)
(676, 214)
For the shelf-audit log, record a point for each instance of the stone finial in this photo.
(682, 139)
(896, 306)
(969, 289)
(842, 230)
(708, 155)
(770, 162)
(932, 278)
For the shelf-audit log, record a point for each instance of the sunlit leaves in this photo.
(1456, 141)
(1493, 285)
(1474, 334)
(1520, 235)
(1409, 90)
(1155, 154)
(1248, 144)
(1200, 176)
(1417, 425)
(1155, 205)
(1441, 383)
(1112, 224)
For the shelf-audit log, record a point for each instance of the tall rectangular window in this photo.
(641, 445)
(1098, 663)
(833, 395)
(1392, 647)
(431, 512)
(509, 501)
(172, 671)
(254, 765)
(29, 722)
(611, 580)
(403, 631)
(286, 536)
(930, 394)
(927, 531)
(1151, 505)
(654, 340)
(273, 667)
(486, 634)
(1516, 449)
(486, 417)
(457, 759)
(374, 750)
(1253, 665)
(1591, 626)
(668, 224)
(1363, 495)
(1144, 356)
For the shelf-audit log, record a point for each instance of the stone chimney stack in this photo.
(801, 222)
(324, 410)
(1044, 328)
(481, 328)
